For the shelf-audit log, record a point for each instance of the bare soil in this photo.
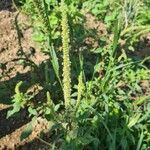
(12, 51)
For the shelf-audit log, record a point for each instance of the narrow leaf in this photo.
(27, 131)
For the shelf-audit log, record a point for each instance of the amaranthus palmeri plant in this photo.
(66, 59)
(40, 6)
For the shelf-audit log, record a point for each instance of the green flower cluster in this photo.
(66, 59)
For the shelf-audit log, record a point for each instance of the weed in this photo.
(104, 107)
(66, 58)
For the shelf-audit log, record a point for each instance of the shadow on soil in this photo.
(9, 5)
(41, 78)
(33, 145)
(5, 5)
(7, 126)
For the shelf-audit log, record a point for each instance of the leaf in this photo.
(38, 37)
(48, 111)
(142, 99)
(122, 56)
(72, 134)
(116, 35)
(54, 61)
(17, 88)
(27, 131)
(131, 48)
(15, 109)
(87, 139)
(32, 111)
(140, 141)
(134, 120)
(74, 94)
(57, 107)
(55, 64)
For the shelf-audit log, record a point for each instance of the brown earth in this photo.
(10, 46)
(12, 51)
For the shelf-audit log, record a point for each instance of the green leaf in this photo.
(131, 48)
(15, 109)
(48, 111)
(55, 64)
(87, 139)
(140, 141)
(27, 131)
(38, 37)
(134, 120)
(142, 99)
(54, 61)
(17, 88)
(32, 111)
(57, 107)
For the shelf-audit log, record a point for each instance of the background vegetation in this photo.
(95, 98)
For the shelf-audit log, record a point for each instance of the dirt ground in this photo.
(12, 52)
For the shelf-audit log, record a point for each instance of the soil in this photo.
(12, 52)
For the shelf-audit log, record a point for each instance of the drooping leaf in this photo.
(15, 109)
